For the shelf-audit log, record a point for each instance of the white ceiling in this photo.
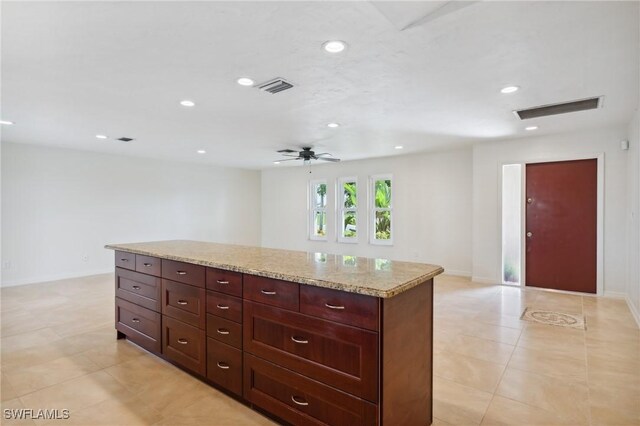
(423, 75)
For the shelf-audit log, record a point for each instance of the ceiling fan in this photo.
(306, 155)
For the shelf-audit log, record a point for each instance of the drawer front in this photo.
(140, 325)
(300, 400)
(224, 331)
(148, 265)
(348, 308)
(224, 306)
(184, 302)
(283, 294)
(183, 272)
(224, 366)
(227, 282)
(141, 289)
(125, 260)
(184, 345)
(341, 356)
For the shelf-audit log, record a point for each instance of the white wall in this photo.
(59, 205)
(488, 158)
(432, 208)
(633, 230)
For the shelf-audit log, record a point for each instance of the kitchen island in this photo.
(310, 338)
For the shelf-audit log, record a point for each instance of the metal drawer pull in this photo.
(330, 306)
(223, 331)
(136, 287)
(135, 320)
(183, 341)
(268, 292)
(147, 264)
(223, 365)
(181, 272)
(124, 260)
(295, 400)
(219, 306)
(222, 282)
(182, 302)
(299, 340)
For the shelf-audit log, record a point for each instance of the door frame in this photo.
(599, 157)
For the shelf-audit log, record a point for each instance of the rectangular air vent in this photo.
(561, 108)
(275, 86)
(125, 139)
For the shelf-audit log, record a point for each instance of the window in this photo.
(318, 210)
(511, 223)
(381, 210)
(347, 210)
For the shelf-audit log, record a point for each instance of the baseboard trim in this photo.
(484, 280)
(54, 277)
(633, 309)
(457, 273)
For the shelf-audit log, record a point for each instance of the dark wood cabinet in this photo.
(307, 355)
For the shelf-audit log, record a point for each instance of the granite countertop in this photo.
(373, 277)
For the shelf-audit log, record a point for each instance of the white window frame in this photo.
(373, 209)
(341, 210)
(312, 209)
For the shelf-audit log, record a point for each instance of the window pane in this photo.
(511, 226)
(349, 229)
(320, 191)
(383, 194)
(319, 223)
(383, 225)
(350, 195)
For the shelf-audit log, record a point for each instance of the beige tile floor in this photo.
(58, 350)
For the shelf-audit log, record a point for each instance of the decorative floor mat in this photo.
(560, 319)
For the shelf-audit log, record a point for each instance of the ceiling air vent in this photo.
(561, 108)
(125, 139)
(275, 86)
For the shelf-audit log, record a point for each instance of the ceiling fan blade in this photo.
(290, 159)
(335, 160)
(324, 153)
(286, 150)
(291, 155)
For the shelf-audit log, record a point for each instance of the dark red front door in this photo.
(561, 225)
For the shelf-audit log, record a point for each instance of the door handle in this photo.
(529, 234)
(529, 200)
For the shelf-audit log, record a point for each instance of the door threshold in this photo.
(553, 290)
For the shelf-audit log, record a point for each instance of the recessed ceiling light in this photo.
(187, 103)
(509, 89)
(201, 151)
(8, 123)
(101, 136)
(276, 162)
(399, 147)
(333, 125)
(245, 81)
(334, 46)
(531, 128)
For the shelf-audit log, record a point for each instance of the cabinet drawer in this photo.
(224, 306)
(184, 344)
(125, 260)
(300, 400)
(141, 289)
(184, 302)
(224, 331)
(224, 366)
(140, 325)
(348, 308)
(187, 273)
(283, 294)
(339, 355)
(148, 265)
(228, 282)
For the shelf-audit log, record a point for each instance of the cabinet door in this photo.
(341, 356)
(224, 366)
(140, 325)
